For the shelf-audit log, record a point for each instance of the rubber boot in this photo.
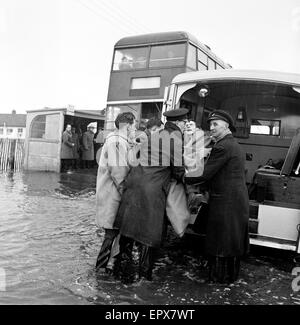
(146, 261)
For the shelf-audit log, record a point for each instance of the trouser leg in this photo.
(75, 163)
(124, 262)
(104, 254)
(223, 269)
(146, 261)
(233, 268)
(216, 269)
(63, 165)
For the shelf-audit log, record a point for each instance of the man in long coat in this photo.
(88, 146)
(141, 215)
(66, 149)
(228, 209)
(112, 171)
(75, 140)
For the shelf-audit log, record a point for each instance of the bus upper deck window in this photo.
(167, 55)
(130, 58)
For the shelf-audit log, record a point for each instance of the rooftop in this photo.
(13, 120)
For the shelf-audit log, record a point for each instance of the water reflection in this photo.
(49, 243)
(42, 230)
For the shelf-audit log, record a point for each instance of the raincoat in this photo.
(67, 146)
(112, 171)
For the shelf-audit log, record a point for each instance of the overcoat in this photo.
(141, 214)
(112, 170)
(88, 146)
(67, 146)
(228, 207)
(75, 140)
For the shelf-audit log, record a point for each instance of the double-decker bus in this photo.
(144, 65)
(265, 106)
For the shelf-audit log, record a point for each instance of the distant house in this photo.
(13, 126)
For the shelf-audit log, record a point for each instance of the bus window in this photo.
(202, 60)
(211, 64)
(167, 55)
(151, 110)
(191, 58)
(265, 127)
(114, 110)
(201, 66)
(130, 58)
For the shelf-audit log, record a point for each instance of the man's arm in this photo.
(118, 164)
(215, 162)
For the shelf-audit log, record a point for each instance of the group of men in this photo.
(79, 150)
(133, 184)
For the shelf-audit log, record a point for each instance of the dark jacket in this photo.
(228, 207)
(141, 214)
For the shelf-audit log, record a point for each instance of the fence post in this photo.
(12, 154)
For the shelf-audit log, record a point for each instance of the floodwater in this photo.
(49, 243)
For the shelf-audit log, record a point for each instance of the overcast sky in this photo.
(55, 53)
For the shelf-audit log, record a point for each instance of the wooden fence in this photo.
(11, 154)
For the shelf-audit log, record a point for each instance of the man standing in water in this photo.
(112, 171)
(227, 237)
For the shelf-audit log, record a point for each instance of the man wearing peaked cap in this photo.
(227, 238)
(176, 114)
(224, 116)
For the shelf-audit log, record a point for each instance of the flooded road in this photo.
(49, 243)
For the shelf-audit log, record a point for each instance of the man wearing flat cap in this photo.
(227, 237)
(141, 216)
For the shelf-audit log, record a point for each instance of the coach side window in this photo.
(192, 57)
(202, 60)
